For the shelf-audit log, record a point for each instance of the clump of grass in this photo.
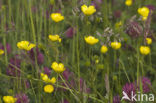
(76, 51)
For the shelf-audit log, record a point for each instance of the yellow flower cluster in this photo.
(128, 2)
(57, 17)
(9, 99)
(57, 67)
(55, 38)
(144, 12)
(116, 45)
(91, 40)
(45, 78)
(25, 45)
(88, 10)
(145, 50)
(48, 88)
(104, 49)
(1, 52)
(148, 41)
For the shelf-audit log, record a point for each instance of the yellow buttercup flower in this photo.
(128, 2)
(25, 45)
(144, 18)
(115, 77)
(104, 49)
(57, 17)
(52, 80)
(91, 40)
(55, 38)
(57, 67)
(97, 61)
(1, 52)
(116, 45)
(148, 41)
(44, 77)
(145, 50)
(48, 88)
(144, 11)
(9, 99)
(118, 24)
(88, 10)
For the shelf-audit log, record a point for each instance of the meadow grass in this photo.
(89, 75)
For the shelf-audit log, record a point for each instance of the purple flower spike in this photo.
(116, 99)
(22, 98)
(97, 3)
(117, 14)
(70, 32)
(134, 29)
(27, 84)
(151, 7)
(8, 48)
(129, 88)
(70, 78)
(15, 63)
(47, 71)
(40, 56)
(146, 83)
(67, 74)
